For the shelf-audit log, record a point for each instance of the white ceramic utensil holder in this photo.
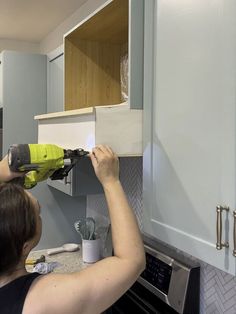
(91, 250)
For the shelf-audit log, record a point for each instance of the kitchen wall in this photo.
(59, 212)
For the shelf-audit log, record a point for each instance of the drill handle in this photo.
(63, 172)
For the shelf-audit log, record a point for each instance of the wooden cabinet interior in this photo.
(93, 53)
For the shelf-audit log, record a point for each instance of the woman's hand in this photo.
(106, 164)
(5, 173)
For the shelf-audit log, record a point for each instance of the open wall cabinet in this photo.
(104, 57)
(103, 83)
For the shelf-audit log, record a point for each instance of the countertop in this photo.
(70, 261)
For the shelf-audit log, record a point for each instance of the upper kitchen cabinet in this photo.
(103, 82)
(104, 57)
(189, 129)
(23, 94)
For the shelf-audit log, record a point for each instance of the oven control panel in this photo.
(171, 276)
(157, 273)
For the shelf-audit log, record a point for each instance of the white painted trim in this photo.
(53, 54)
(117, 126)
(68, 113)
(74, 112)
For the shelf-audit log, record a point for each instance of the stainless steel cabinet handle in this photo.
(219, 244)
(234, 234)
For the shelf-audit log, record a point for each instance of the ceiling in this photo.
(33, 20)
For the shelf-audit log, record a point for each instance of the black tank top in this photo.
(13, 294)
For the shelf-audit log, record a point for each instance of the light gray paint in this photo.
(59, 212)
(23, 96)
(148, 81)
(136, 31)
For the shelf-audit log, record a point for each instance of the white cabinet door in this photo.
(189, 132)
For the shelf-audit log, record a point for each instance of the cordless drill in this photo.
(41, 161)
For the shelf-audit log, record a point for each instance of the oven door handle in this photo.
(141, 303)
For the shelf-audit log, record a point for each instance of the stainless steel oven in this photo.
(169, 284)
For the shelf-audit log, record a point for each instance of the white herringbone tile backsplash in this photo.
(217, 288)
(218, 291)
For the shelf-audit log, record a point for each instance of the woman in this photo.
(91, 290)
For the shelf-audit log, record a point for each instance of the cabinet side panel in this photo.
(136, 42)
(92, 73)
(121, 129)
(148, 99)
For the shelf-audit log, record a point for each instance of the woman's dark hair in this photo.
(17, 224)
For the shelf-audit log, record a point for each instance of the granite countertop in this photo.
(70, 261)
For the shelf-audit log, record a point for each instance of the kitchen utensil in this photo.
(85, 227)
(90, 223)
(77, 226)
(68, 247)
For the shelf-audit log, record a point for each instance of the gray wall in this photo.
(59, 212)
(23, 96)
